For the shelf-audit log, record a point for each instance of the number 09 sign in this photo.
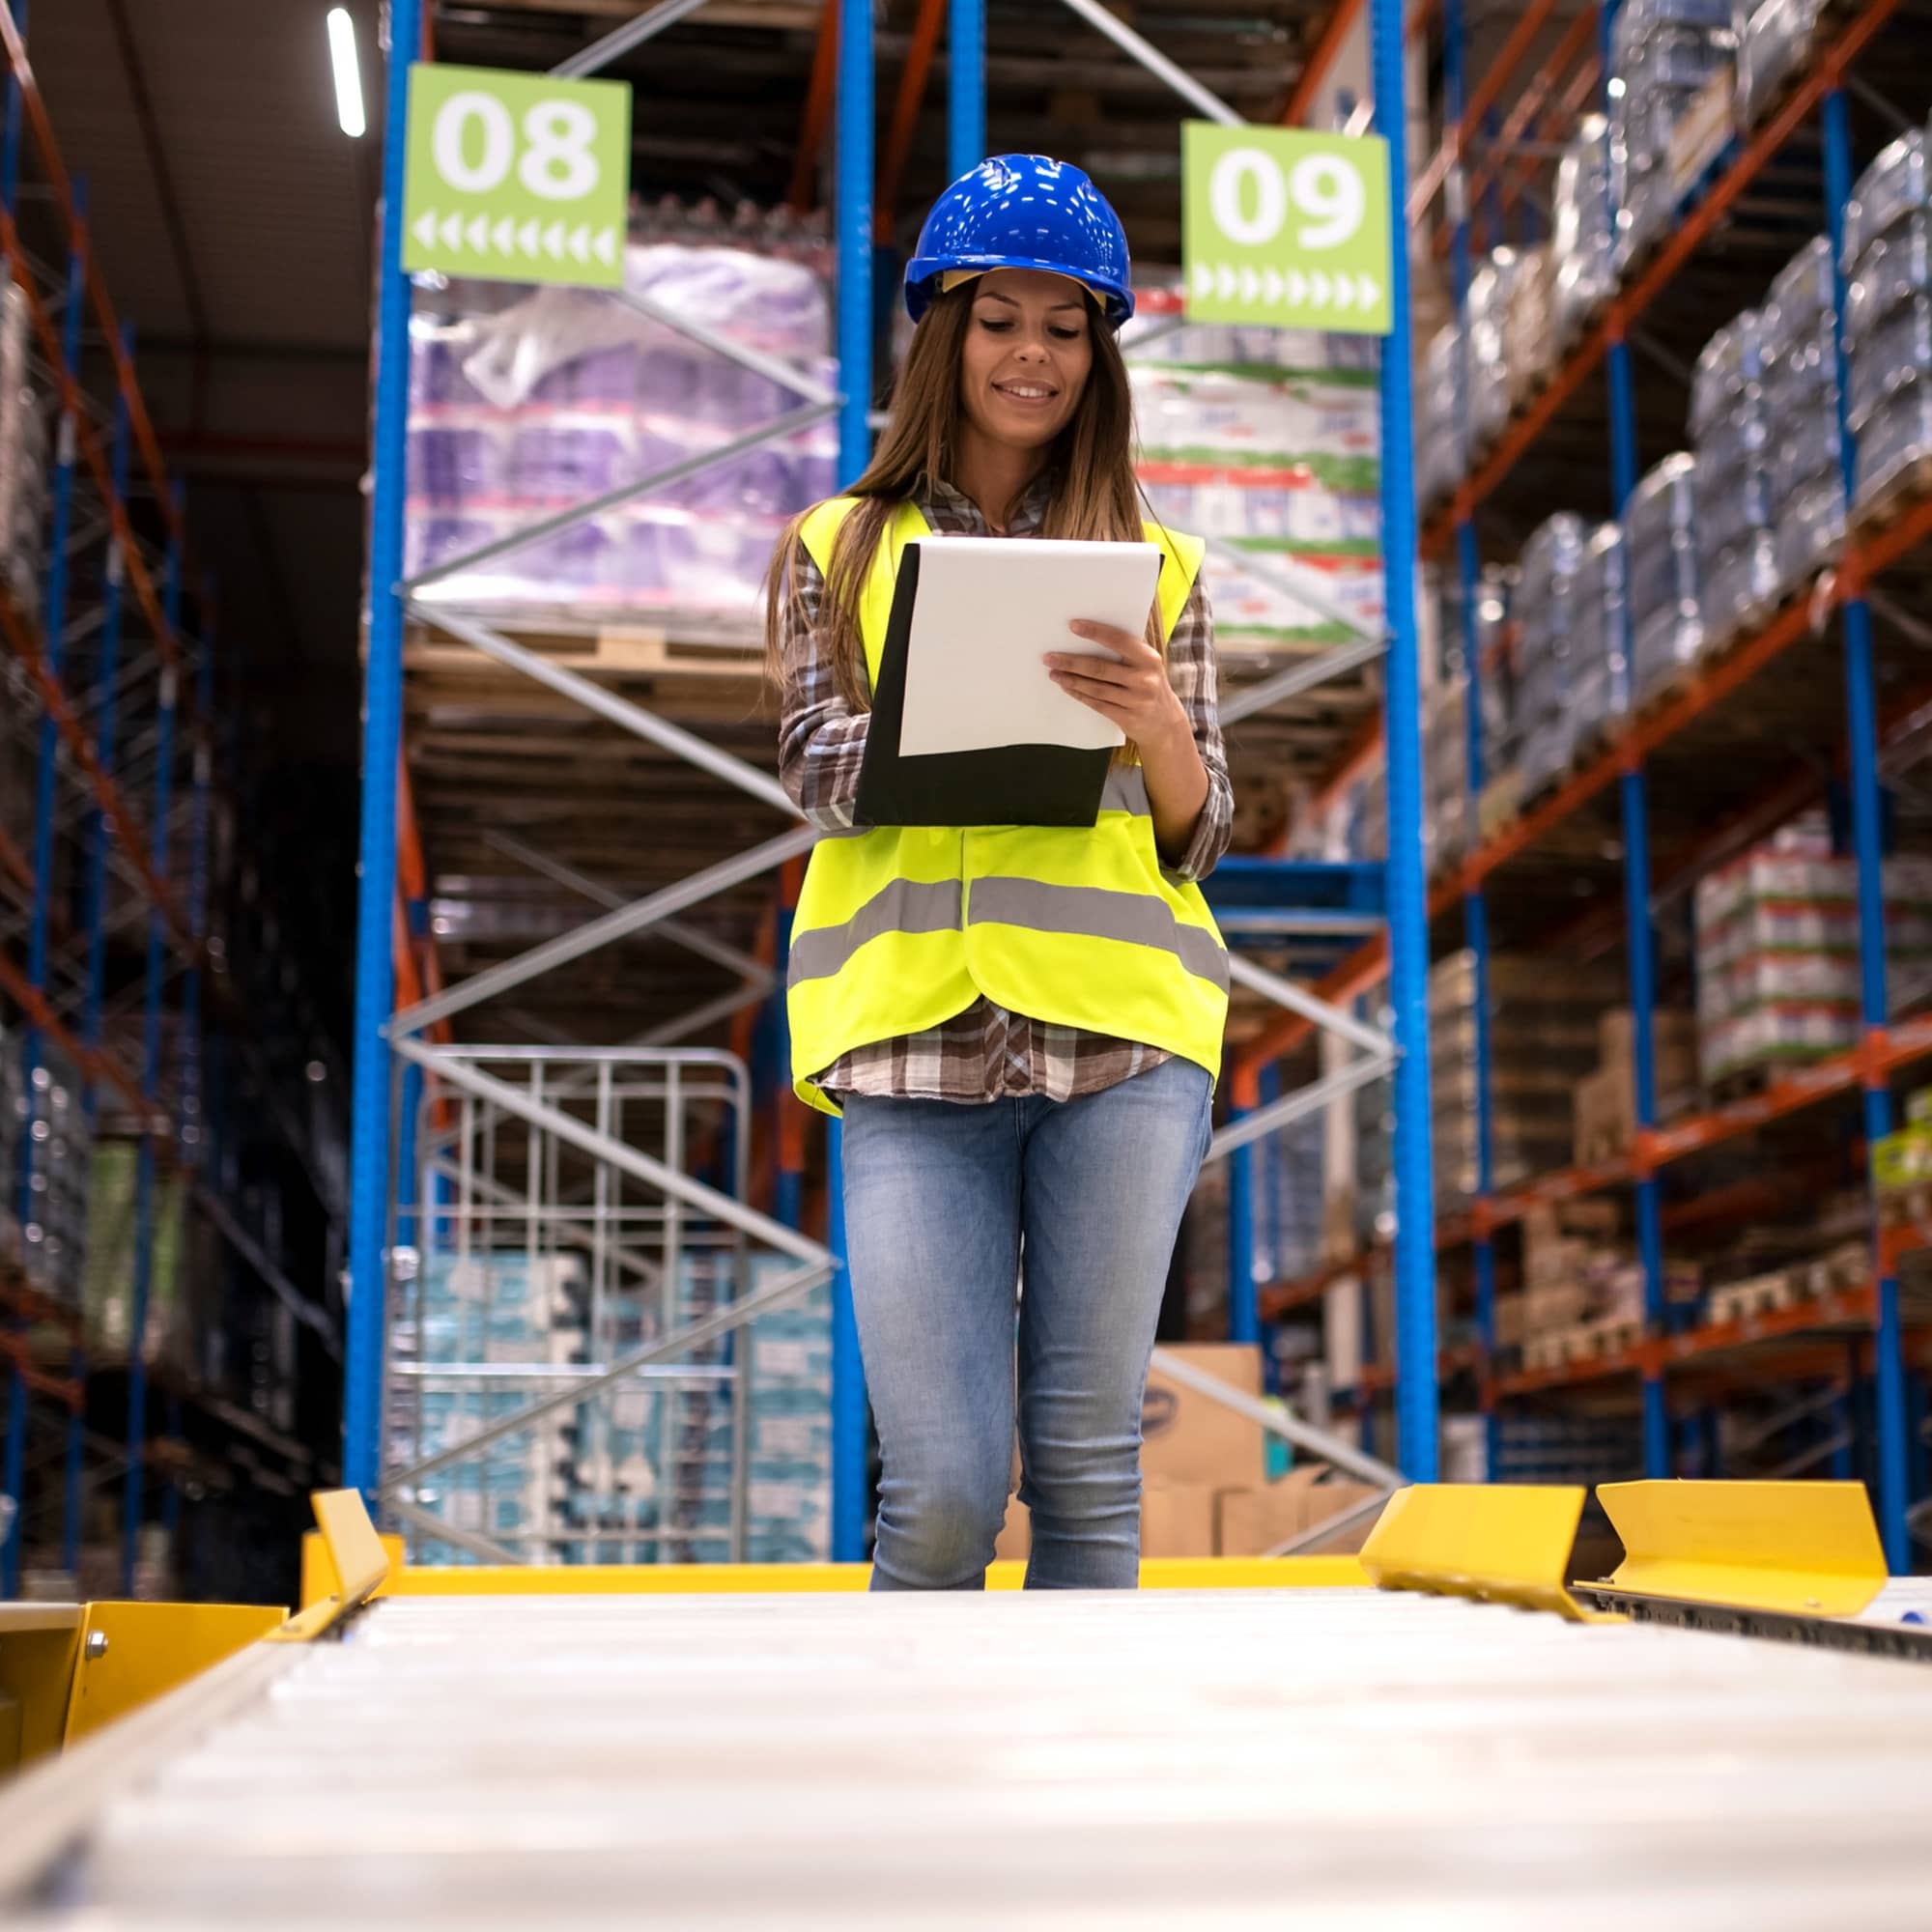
(517, 177)
(1286, 228)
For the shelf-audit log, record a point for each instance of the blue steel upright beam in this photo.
(853, 228)
(382, 739)
(132, 1498)
(1417, 1391)
(1244, 1321)
(965, 87)
(1639, 935)
(10, 127)
(1468, 571)
(1895, 1478)
(13, 1459)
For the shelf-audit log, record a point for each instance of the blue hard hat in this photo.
(1024, 211)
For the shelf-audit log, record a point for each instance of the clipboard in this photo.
(1046, 785)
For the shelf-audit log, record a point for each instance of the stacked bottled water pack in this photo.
(1773, 39)
(1599, 670)
(1800, 395)
(1664, 54)
(1888, 267)
(1544, 609)
(1660, 537)
(1583, 235)
(1736, 546)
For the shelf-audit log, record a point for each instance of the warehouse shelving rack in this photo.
(395, 952)
(1697, 712)
(110, 957)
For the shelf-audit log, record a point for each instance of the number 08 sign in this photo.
(517, 177)
(1286, 228)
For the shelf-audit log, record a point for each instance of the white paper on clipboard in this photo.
(988, 611)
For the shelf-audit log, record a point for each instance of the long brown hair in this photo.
(1096, 495)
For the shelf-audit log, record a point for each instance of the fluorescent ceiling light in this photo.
(348, 75)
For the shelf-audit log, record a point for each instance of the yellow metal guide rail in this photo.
(1443, 1736)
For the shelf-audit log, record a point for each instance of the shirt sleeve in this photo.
(821, 738)
(1190, 667)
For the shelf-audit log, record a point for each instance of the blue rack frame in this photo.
(1894, 1393)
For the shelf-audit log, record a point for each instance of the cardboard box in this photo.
(1252, 1522)
(1189, 1439)
(1673, 1039)
(1178, 1520)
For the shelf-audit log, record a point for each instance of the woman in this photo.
(1021, 1025)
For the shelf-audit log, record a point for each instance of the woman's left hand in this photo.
(1135, 692)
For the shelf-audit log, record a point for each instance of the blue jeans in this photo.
(941, 1202)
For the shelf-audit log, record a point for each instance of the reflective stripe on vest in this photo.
(899, 928)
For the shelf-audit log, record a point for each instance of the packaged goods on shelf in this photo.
(1777, 952)
(1493, 291)
(1496, 665)
(1582, 243)
(1605, 1100)
(1599, 672)
(519, 413)
(1543, 609)
(1736, 543)
(1774, 39)
(1441, 447)
(1800, 382)
(46, 1155)
(1530, 343)
(1664, 54)
(108, 1277)
(1445, 772)
(1543, 1039)
(1887, 261)
(1567, 1448)
(23, 457)
(1283, 463)
(1667, 620)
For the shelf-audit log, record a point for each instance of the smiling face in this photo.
(1026, 355)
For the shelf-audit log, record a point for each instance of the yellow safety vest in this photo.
(899, 928)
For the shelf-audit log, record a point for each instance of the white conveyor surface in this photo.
(1171, 1759)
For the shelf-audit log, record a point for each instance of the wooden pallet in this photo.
(1909, 485)
(1761, 1295)
(1582, 1342)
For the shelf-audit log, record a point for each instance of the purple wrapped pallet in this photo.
(450, 465)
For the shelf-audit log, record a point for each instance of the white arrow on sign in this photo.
(605, 247)
(1225, 282)
(1203, 280)
(505, 236)
(552, 240)
(1319, 286)
(579, 243)
(423, 228)
(1251, 285)
(478, 232)
(527, 237)
(1372, 292)
(1298, 287)
(452, 231)
(1345, 292)
(1271, 284)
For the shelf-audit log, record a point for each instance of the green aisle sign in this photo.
(1286, 228)
(517, 177)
